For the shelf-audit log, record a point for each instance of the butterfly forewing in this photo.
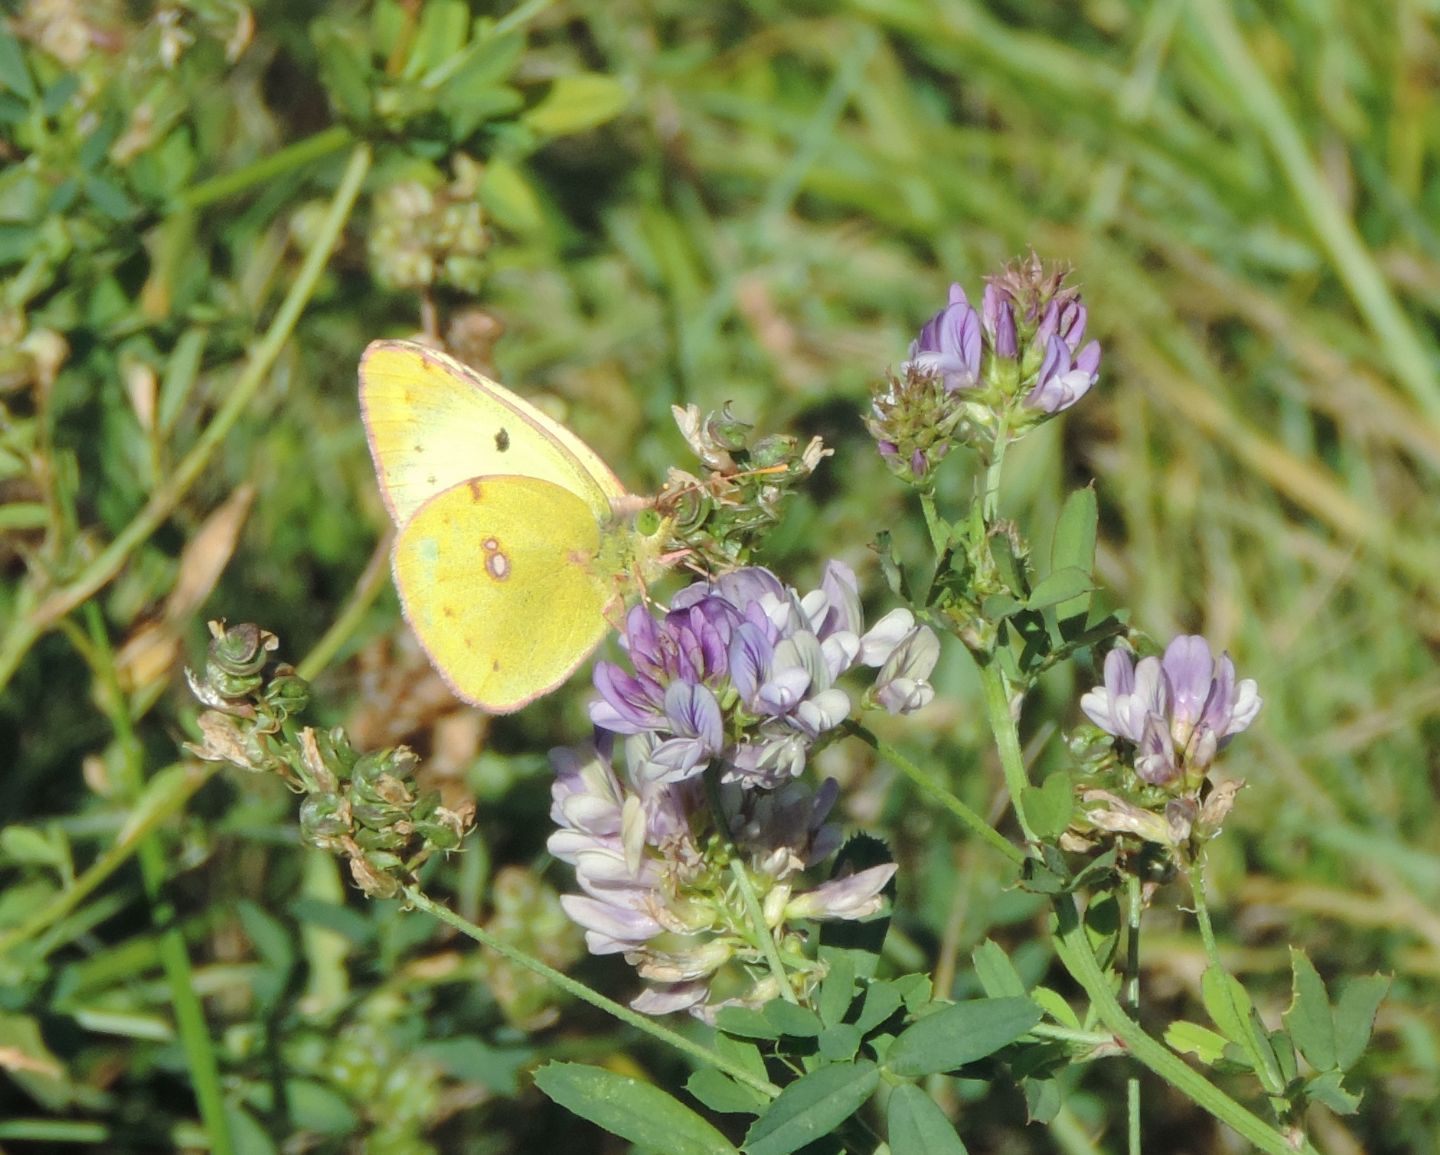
(433, 422)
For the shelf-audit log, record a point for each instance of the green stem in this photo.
(970, 819)
(109, 561)
(195, 1036)
(580, 991)
(372, 581)
(1263, 1064)
(760, 933)
(1074, 952)
(266, 170)
(1007, 741)
(993, 470)
(1134, 904)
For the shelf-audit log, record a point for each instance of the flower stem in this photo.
(564, 982)
(1007, 740)
(1134, 905)
(969, 818)
(1073, 949)
(1263, 1063)
(754, 913)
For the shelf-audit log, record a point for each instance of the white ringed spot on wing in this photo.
(497, 565)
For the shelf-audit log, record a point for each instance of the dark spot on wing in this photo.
(475, 488)
(502, 441)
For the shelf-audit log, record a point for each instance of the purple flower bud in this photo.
(949, 346)
(999, 318)
(855, 896)
(1061, 382)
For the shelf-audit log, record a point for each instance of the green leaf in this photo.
(745, 1022)
(1228, 1006)
(26, 846)
(721, 1093)
(881, 1001)
(997, 974)
(1060, 586)
(1355, 1017)
(812, 1107)
(790, 1019)
(444, 26)
(960, 1034)
(1011, 569)
(577, 102)
(839, 1043)
(917, 1126)
(344, 57)
(316, 1107)
(1056, 1007)
(743, 1053)
(1309, 1019)
(506, 193)
(636, 1111)
(496, 1068)
(1042, 1100)
(837, 989)
(1325, 1088)
(1073, 544)
(1050, 805)
(14, 73)
(1193, 1039)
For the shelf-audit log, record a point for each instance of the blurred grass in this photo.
(1248, 195)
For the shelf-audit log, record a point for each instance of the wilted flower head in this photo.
(741, 673)
(972, 376)
(1179, 710)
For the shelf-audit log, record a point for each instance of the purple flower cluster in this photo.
(972, 377)
(1179, 710)
(1034, 344)
(741, 673)
(730, 688)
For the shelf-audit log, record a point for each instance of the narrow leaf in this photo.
(837, 989)
(811, 1107)
(576, 102)
(1193, 1039)
(1355, 1017)
(1060, 586)
(1073, 545)
(1050, 805)
(723, 1094)
(960, 1034)
(1326, 1088)
(747, 1023)
(636, 1111)
(1309, 1020)
(1227, 1004)
(918, 1127)
(790, 1019)
(997, 974)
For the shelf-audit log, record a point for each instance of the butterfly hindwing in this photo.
(506, 612)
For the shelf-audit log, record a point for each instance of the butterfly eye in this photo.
(647, 523)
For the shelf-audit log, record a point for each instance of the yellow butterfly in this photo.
(517, 544)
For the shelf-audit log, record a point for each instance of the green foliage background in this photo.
(757, 203)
